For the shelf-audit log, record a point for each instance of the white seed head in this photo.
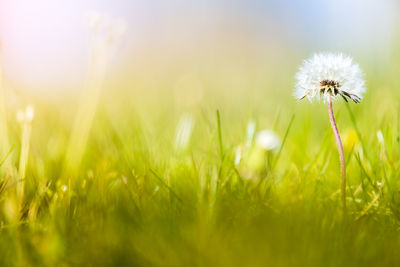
(329, 74)
(267, 140)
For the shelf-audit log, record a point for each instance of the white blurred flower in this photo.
(64, 188)
(267, 140)
(238, 155)
(334, 74)
(29, 113)
(26, 115)
(184, 131)
(379, 135)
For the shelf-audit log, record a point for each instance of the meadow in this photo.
(164, 169)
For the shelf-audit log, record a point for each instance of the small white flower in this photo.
(267, 140)
(329, 74)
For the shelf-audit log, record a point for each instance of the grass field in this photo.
(160, 184)
(158, 163)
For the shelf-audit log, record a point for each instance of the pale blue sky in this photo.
(47, 39)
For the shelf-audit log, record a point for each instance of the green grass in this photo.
(137, 200)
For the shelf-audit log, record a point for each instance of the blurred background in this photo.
(119, 118)
(46, 43)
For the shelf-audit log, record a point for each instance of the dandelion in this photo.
(326, 77)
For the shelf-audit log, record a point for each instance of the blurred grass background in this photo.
(159, 183)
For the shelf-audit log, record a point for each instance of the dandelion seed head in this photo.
(329, 74)
(267, 140)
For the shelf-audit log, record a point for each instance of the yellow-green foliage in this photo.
(158, 184)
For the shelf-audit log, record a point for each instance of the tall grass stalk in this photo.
(4, 141)
(26, 120)
(103, 40)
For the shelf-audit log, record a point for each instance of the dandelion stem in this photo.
(341, 153)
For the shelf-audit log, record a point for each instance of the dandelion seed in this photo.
(326, 76)
(267, 140)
